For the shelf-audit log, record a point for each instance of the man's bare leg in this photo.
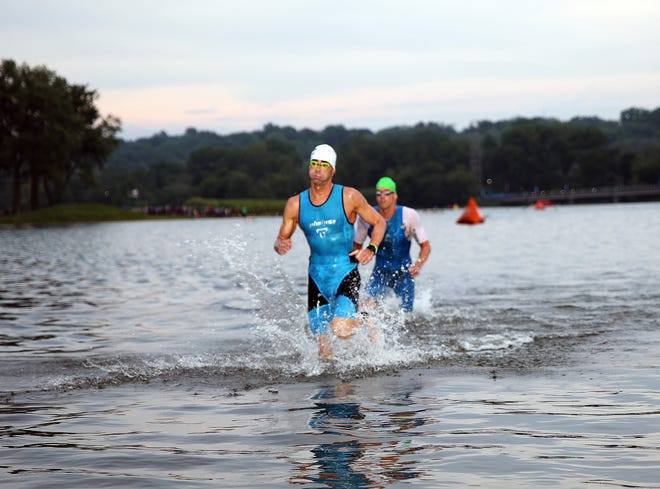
(366, 318)
(344, 327)
(325, 347)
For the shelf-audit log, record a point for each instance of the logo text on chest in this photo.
(321, 227)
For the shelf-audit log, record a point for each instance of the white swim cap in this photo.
(324, 152)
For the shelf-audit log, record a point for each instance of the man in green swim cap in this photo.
(394, 269)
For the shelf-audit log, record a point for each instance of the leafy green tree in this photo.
(12, 110)
(204, 162)
(238, 185)
(51, 131)
(270, 169)
(357, 164)
(534, 154)
(646, 168)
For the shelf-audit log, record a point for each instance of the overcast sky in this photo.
(230, 66)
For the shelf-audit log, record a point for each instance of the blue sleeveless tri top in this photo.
(330, 238)
(394, 251)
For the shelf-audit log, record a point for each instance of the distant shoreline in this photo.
(93, 213)
(71, 214)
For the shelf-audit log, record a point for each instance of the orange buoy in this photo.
(471, 214)
(543, 203)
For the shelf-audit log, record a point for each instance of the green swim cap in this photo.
(386, 182)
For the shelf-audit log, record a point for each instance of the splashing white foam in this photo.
(389, 338)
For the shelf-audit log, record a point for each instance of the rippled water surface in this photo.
(176, 354)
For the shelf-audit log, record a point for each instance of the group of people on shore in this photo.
(336, 221)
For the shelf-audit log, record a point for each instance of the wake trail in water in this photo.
(388, 340)
(274, 343)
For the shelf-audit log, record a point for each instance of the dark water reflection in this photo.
(353, 453)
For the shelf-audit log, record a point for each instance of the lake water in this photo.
(176, 354)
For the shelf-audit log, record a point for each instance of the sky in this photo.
(232, 66)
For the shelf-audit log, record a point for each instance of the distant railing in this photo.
(613, 194)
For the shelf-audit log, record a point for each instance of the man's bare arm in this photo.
(283, 241)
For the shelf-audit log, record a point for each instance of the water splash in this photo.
(272, 340)
(388, 339)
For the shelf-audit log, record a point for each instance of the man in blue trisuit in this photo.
(394, 269)
(326, 212)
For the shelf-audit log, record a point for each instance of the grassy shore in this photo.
(86, 213)
(71, 213)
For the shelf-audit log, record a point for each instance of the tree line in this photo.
(433, 165)
(55, 147)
